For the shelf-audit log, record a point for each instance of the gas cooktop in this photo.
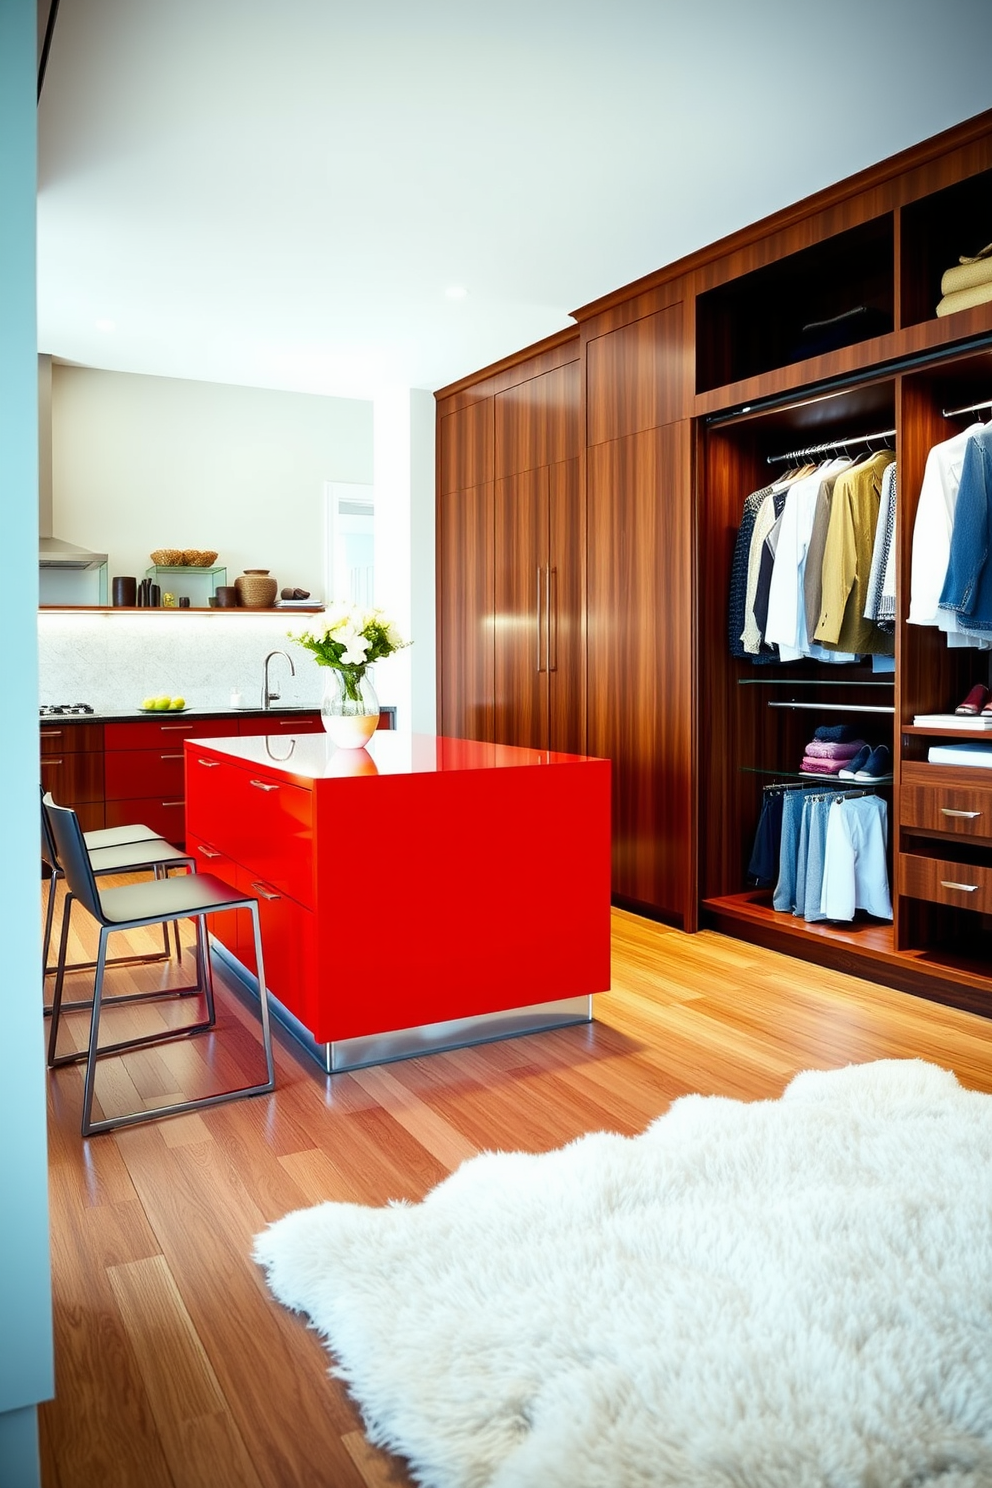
(48, 709)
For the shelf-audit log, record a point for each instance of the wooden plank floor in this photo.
(175, 1369)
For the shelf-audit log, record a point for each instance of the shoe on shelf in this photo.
(977, 701)
(850, 770)
(878, 765)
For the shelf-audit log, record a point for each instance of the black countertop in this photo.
(134, 715)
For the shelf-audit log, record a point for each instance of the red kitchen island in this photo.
(420, 894)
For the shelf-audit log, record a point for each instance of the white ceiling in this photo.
(280, 192)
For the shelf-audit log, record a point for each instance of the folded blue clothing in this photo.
(836, 733)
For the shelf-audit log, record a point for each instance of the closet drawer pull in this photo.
(261, 785)
(947, 883)
(950, 811)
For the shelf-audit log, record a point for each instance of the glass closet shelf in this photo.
(837, 707)
(827, 780)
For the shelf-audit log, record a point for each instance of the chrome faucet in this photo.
(268, 696)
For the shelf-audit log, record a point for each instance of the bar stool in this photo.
(111, 853)
(156, 901)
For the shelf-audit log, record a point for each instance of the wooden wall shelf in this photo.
(172, 610)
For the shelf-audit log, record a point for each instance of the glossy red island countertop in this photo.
(312, 757)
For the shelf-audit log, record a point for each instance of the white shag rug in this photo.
(767, 1295)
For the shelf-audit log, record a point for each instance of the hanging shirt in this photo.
(847, 559)
(739, 567)
(881, 557)
(932, 536)
(786, 623)
(967, 590)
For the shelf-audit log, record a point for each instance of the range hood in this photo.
(54, 553)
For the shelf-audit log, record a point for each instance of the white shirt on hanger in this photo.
(786, 624)
(932, 538)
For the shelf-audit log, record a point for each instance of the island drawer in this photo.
(264, 824)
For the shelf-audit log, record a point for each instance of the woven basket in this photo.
(256, 590)
(199, 557)
(167, 557)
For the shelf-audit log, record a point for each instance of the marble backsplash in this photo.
(112, 661)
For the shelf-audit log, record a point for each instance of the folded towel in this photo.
(964, 299)
(813, 766)
(836, 733)
(816, 749)
(966, 276)
(985, 252)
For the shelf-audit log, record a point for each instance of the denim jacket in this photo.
(968, 582)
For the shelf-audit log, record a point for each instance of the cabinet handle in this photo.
(265, 893)
(552, 619)
(540, 664)
(208, 852)
(173, 803)
(175, 728)
(171, 756)
(49, 759)
(51, 733)
(261, 785)
(208, 764)
(946, 883)
(949, 811)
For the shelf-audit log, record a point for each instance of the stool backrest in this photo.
(74, 860)
(49, 854)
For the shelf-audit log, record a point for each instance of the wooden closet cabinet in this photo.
(813, 328)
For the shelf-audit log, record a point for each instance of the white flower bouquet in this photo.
(350, 640)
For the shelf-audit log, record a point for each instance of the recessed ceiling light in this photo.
(456, 292)
(106, 325)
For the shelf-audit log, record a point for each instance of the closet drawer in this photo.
(934, 800)
(944, 882)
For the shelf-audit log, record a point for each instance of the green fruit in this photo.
(163, 703)
(178, 703)
(149, 702)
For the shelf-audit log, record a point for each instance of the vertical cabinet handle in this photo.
(540, 617)
(552, 619)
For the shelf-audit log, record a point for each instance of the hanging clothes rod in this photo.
(972, 408)
(830, 444)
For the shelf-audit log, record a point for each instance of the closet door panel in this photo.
(567, 600)
(639, 639)
(522, 596)
(537, 422)
(636, 376)
(465, 613)
(465, 447)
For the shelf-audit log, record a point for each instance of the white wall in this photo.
(150, 462)
(25, 1289)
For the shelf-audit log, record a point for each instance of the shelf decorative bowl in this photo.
(256, 589)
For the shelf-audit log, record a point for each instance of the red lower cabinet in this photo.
(287, 946)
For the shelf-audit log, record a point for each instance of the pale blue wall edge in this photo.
(25, 1287)
(19, 1438)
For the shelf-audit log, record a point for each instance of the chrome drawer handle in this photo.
(265, 893)
(173, 803)
(261, 785)
(51, 733)
(946, 883)
(175, 728)
(949, 811)
(48, 759)
(171, 756)
(208, 764)
(208, 852)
